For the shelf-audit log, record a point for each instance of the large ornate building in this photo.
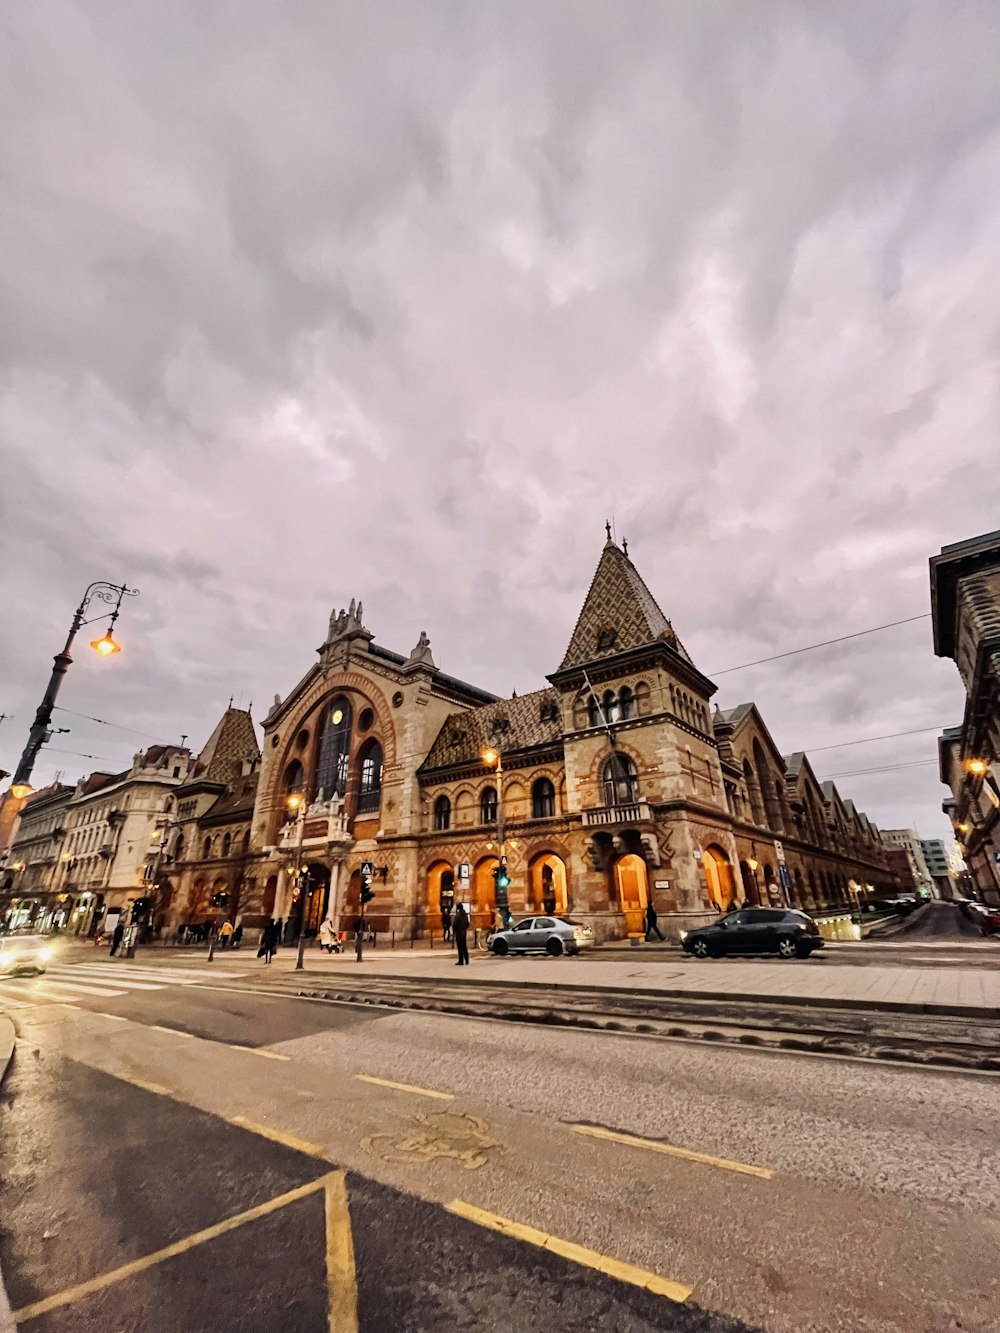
(613, 785)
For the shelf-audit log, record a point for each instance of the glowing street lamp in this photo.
(40, 728)
(977, 767)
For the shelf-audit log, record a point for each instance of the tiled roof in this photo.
(465, 735)
(232, 741)
(619, 613)
(239, 795)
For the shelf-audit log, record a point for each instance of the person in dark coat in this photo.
(446, 923)
(269, 941)
(460, 929)
(651, 920)
(116, 938)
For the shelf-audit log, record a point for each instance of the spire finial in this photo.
(607, 528)
(625, 545)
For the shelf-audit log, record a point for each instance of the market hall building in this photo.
(618, 786)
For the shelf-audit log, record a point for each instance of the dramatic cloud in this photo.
(306, 300)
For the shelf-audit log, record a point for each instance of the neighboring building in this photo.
(112, 822)
(908, 840)
(618, 785)
(965, 600)
(936, 861)
(205, 850)
(28, 897)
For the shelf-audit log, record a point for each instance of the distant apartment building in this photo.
(965, 601)
(936, 861)
(908, 840)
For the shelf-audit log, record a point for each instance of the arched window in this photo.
(179, 848)
(370, 789)
(488, 806)
(246, 842)
(620, 780)
(543, 799)
(594, 712)
(206, 849)
(442, 813)
(334, 751)
(626, 703)
(610, 704)
(227, 843)
(294, 779)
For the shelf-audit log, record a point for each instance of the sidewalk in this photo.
(945, 990)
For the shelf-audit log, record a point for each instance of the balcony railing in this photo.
(632, 812)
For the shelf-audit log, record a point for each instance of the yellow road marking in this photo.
(261, 1050)
(147, 1085)
(277, 1136)
(578, 1254)
(115, 1018)
(631, 1141)
(174, 1032)
(75, 1293)
(341, 1277)
(406, 1087)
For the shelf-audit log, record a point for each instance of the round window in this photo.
(397, 699)
(275, 741)
(366, 719)
(302, 739)
(337, 716)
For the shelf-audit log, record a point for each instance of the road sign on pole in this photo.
(368, 868)
(779, 852)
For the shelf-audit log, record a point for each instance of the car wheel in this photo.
(787, 947)
(500, 948)
(701, 949)
(554, 948)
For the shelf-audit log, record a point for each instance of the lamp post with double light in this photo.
(492, 757)
(297, 804)
(40, 728)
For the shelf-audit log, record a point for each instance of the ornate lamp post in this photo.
(297, 803)
(39, 733)
(493, 759)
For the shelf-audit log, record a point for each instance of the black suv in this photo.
(756, 930)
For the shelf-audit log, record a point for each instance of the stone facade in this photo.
(28, 897)
(965, 599)
(612, 785)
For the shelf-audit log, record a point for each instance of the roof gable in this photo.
(232, 742)
(619, 613)
(526, 721)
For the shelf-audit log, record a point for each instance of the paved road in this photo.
(939, 921)
(870, 1202)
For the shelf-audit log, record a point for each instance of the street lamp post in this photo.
(297, 802)
(494, 758)
(39, 733)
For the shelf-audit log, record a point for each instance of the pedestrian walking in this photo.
(225, 933)
(651, 919)
(498, 920)
(328, 937)
(268, 941)
(461, 933)
(446, 923)
(238, 936)
(116, 938)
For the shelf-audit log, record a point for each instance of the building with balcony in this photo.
(28, 883)
(965, 602)
(611, 786)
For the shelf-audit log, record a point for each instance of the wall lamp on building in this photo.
(977, 767)
(112, 594)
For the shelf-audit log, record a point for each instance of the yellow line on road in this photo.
(631, 1141)
(72, 1294)
(147, 1085)
(174, 1032)
(341, 1276)
(277, 1136)
(406, 1087)
(261, 1050)
(578, 1254)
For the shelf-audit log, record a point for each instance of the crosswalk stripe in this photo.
(128, 983)
(181, 977)
(60, 990)
(10, 1001)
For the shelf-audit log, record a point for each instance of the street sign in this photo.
(786, 879)
(368, 868)
(779, 852)
(464, 873)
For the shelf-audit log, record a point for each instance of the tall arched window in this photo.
(488, 806)
(334, 751)
(620, 780)
(442, 813)
(543, 799)
(179, 848)
(227, 843)
(610, 705)
(594, 712)
(294, 779)
(370, 788)
(246, 842)
(206, 849)
(626, 703)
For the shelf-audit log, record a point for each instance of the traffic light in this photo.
(367, 892)
(500, 876)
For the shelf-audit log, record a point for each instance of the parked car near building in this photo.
(753, 930)
(24, 953)
(542, 934)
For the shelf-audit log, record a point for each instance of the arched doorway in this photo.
(317, 898)
(718, 877)
(751, 893)
(632, 885)
(484, 891)
(270, 893)
(547, 877)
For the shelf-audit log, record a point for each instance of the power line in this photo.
(888, 768)
(889, 735)
(825, 644)
(117, 725)
(54, 749)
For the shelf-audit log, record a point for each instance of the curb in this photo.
(732, 997)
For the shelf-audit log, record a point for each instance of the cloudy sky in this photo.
(304, 300)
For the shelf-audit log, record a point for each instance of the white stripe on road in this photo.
(165, 975)
(61, 990)
(65, 976)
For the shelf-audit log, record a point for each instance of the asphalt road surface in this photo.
(933, 921)
(783, 1192)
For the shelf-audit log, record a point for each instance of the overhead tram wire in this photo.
(887, 768)
(117, 725)
(826, 643)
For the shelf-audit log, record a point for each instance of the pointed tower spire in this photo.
(619, 613)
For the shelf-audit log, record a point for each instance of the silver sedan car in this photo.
(542, 934)
(23, 953)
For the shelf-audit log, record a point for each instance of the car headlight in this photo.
(683, 936)
(45, 954)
